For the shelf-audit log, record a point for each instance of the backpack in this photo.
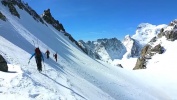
(38, 53)
(47, 52)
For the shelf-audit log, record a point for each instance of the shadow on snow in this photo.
(64, 86)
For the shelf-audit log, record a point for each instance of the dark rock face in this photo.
(3, 64)
(157, 49)
(11, 4)
(110, 48)
(119, 65)
(2, 17)
(47, 16)
(171, 35)
(23, 6)
(147, 52)
(140, 64)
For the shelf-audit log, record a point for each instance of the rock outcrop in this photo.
(154, 46)
(3, 64)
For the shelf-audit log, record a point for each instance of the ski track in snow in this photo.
(75, 76)
(25, 80)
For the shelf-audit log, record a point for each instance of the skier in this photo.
(47, 52)
(39, 57)
(55, 56)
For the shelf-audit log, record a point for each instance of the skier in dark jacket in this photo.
(39, 57)
(55, 56)
(47, 52)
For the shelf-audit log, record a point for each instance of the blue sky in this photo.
(94, 19)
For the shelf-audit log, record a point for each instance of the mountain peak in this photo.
(127, 38)
(173, 23)
(145, 32)
(144, 25)
(105, 49)
(47, 16)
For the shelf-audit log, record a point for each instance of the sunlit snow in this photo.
(75, 76)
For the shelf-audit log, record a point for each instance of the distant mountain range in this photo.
(104, 49)
(145, 43)
(110, 49)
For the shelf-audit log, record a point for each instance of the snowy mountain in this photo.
(75, 76)
(133, 47)
(145, 32)
(104, 49)
(157, 45)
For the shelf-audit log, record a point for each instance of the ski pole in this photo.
(28, 62)
(33, 43)
(37, 42)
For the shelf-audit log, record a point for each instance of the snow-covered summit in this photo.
(145, 25)
(172, 23)
(145, 32)
(132, 46)
(155, 45)
(127, 40)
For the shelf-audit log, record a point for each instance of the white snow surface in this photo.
(75, 76)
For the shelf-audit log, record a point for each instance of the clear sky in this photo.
(93, 19)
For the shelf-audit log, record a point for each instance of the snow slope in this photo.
(162, 68)
(74, 77)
